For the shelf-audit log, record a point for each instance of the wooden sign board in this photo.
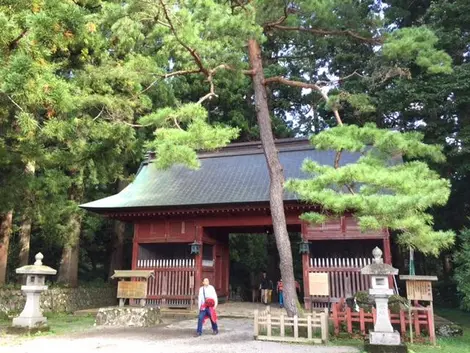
(318, 284)
(132, 289)
(419, 290)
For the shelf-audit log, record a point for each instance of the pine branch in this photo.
(171, 74)
(337, 158)
(14, 43)
(339, 79)
(16, 104)
(212, 89)
(299, 84)
(239, 3)
(118, 121)
(324, 32)
(287, 10)
(99, 114)
(209, 73)
(192, 51)
(355, 73)
(230, 68)
(176, 123)
(181, 72)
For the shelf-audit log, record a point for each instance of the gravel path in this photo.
(236, 336)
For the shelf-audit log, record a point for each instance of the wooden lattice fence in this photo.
(310, 329)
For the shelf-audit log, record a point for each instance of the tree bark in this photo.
(117, 255)
(25, 237)
(116, 261)
(68, 269)
(276, 176)
(5, 233)
(25, 227)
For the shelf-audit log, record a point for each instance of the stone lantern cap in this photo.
(377, 267)
(37, 269)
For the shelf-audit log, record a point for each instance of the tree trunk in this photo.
(276, 176)
(25, 236)
(68, 269)
(25, 227)
(117, 256)
(5, 233)
(447, 265)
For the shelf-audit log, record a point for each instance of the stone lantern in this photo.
(383, 338)
(31, 317)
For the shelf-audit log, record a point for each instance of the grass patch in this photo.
(60, 324)
(454, 344)
(67, 323)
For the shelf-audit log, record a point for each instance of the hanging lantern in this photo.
(195, 248)
(304, 247)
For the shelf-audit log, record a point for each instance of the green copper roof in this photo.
(234, 175)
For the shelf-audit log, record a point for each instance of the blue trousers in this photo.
(281, 298)
(202, 315)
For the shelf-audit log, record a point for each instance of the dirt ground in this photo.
(236, 336)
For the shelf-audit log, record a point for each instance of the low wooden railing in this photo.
(268, 327)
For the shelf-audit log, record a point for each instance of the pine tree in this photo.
(209, 39)
(378, 190)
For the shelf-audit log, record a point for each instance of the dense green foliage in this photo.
(379, 190)
(462, 270)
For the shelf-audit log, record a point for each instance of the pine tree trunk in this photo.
(117, 256)
(5, 233)
(276, 176)
(25, 237)
(25, 227)
(68, 269)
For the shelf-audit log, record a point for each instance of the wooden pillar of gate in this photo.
(198, 263)
(135, 250)
(305, 269)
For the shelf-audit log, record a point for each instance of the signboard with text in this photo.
(318, 284)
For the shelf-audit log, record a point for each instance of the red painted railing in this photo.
(361, 322)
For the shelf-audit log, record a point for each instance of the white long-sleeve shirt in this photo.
(208, 292)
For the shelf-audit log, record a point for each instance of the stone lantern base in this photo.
(387, 338)
(19, 330)
(380, 348)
